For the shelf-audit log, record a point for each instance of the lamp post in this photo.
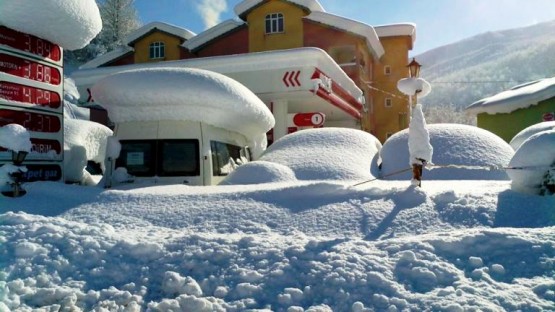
(17, 159)
(414, 72)
(420, 148)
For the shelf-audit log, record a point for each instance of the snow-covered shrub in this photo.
(520, 137)
(327, 154)
(533, 164)
(472, 152)
(259, 171)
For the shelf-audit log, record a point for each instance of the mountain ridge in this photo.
(480, 66)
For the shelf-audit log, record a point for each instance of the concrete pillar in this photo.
(279, 109)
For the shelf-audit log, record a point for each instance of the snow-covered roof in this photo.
(394, 30)
(165, 27)
(107, 57)
(453, 144)
(359, 28)
(183, 94)
(521, 96)
(69, 23)
(212, 33)
(246, 5)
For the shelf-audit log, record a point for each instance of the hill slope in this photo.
(480, 66)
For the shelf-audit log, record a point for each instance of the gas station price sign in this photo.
(29, 69)
(30, 44)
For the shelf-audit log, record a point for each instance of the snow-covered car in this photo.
(318, 154)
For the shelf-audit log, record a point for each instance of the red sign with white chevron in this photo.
(291, 78)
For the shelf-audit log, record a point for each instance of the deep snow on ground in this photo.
(295, 246)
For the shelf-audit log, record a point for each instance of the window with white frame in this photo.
(388, 102)
(274, 23)
(157, 50)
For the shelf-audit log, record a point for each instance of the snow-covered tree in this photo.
(119, 18)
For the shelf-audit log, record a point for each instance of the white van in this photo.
(178, 152)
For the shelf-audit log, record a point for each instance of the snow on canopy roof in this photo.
(183, 94)
(356, 27)
(453, 144)
(72, 24)
(521, 96)
(212, 33)
(327, 154)
(165, 27)
(393, 30)
(228, 64)
(107, 57)
(246, 5)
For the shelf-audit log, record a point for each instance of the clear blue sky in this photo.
(438, 22)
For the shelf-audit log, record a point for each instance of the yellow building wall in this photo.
(292, 37)
(389, 120)
(172, 47)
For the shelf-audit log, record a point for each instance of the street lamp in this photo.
(16, 175)
(414, 68)
(420, 149)
(18, 157)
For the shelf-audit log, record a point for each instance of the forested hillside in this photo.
(466, 71)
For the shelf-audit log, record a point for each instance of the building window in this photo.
(274, 23)
(157, 50)
(388, 102)
(387, 70)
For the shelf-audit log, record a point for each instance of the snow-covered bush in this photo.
(520, 137)
(471, 152)
(13, 137)
(259, 171)
(327, 154)
(533, 164)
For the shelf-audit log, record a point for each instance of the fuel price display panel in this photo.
(31, 95)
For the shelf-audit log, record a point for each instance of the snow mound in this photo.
(183, 94)
(327, 153)
(83, 141)
(15, 137)
(72, 24)
(258, 172)
(538, 152)
(520, 137)
(453, 144)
